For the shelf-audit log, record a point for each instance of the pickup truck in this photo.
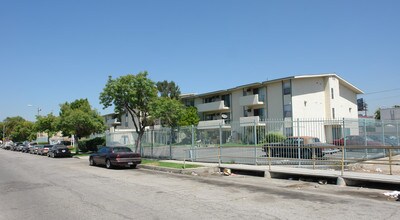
(309, 146)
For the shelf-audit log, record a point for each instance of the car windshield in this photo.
(61, 147)
(121, 149)
(294, 140)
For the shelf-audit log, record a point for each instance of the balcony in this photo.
(251, 121)
(212, 107)
(251, 100)
(213, 124)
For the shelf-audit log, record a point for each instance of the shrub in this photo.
(91, 144)
(274, 137)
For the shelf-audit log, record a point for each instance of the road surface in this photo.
(37, 187)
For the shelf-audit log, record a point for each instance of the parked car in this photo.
(34, 149)
(20, 147)
(59, 150)
(357, 140)
(44, 150)
(309, 146)
(25, 148)
(111, 156)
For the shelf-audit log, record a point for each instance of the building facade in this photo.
(323, 96)
(390, 113)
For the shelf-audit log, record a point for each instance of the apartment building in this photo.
(322, 96)
(390, 113)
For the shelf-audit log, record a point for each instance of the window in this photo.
(333, 113)
(259, 112)
(227, 100)
(332, 94)
(255, 91)
(211, 99)
(287, 110)
(287, 90)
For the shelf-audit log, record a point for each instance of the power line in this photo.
(388, 90)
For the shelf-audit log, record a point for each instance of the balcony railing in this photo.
(251, 100)
(212, 106)
(209, 124)
(251, 121)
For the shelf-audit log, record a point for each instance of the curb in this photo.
(192, 171)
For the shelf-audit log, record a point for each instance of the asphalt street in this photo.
(37, 187)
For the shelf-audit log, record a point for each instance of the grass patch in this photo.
(168, 164)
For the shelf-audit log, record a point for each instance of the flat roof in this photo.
(346, 83)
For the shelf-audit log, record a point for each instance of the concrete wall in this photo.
(308, 98)
(236, 109)
(274, 100)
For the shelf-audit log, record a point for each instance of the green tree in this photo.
(189, 117)
(17, 129)
(79, 119)
(133, 94)
(169, 111)
(47, 124)
(22, 131)
(377, 114)
(9, 125)
(168, 89)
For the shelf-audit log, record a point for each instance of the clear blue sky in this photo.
(57, 51)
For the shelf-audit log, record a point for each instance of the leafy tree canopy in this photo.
(78, 118)
(47, 124)
(168, 89)
(377, 114)
(23, 131)
(189, 117)
(169, 111)
(133, 94)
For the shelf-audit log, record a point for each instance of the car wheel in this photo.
(53, 155)
(108, 164)
(91, 161)
(133, 166)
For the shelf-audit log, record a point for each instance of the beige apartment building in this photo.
(322, 96)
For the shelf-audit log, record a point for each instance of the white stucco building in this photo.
(322, 96)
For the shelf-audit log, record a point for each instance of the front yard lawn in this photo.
(168, 164)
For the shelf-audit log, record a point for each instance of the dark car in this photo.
(115, 156)
(34, 149)
(44, 150)
(306, 146)
(59, 150)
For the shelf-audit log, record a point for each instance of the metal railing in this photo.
(362, 140)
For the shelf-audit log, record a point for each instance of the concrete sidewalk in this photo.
(276, 171)
(347, 178)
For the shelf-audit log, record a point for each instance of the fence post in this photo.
(220, 144)
(383, 137)
(269, 157)
(343, 148)
(255, 142)
(192, 150)
(170, 143)
(397, 132)
(390, 162)
(152, 143)
(298, 141)
(365, 137)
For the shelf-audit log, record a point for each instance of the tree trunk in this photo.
(139, 142)
(76, 141)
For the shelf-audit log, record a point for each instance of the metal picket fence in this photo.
(314, 143)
